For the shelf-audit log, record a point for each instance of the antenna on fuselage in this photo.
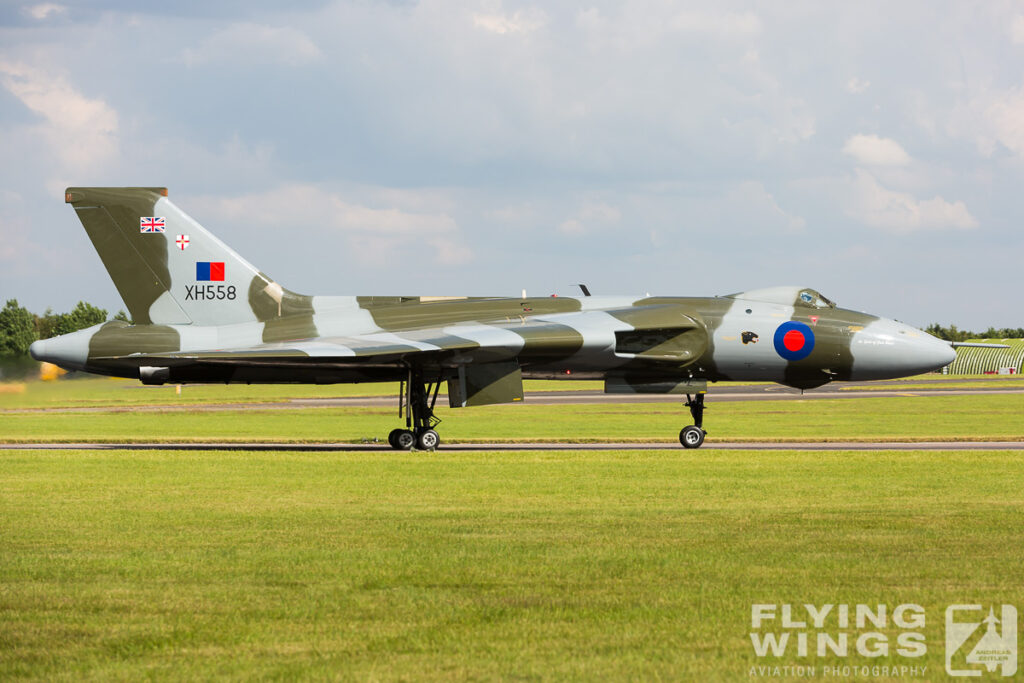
(586, 290)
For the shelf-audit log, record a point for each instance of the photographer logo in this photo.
(976, 643)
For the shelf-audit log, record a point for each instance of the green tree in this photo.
(122, 316)
(1006, 333)
(951, 333)
(83, 315)
(17, 330)
(45, 324)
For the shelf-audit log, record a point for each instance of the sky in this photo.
(873, 150)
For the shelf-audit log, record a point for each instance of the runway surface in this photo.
(492, 447)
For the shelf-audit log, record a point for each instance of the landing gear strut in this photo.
(418, 399)
(693, 436)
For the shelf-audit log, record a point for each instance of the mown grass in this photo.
(90, 391)
(884, 418)
(542, 566)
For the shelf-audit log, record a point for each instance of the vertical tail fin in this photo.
(167, 267)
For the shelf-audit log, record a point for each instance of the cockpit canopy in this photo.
(801, 297)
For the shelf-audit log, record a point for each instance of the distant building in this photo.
(971, 361)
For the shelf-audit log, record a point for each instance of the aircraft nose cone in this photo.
(38, 350)
(944, 353)
(69, 351)
(887, 349)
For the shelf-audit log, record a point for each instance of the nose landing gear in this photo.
(418, 401)
(693, 435)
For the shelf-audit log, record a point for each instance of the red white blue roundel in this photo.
(794, 340)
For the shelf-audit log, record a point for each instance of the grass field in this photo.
(99, 392)
(915, 418)
(92, 392)
(532, 565)
(104, 410)
(536, 566)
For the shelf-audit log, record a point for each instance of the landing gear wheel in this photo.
(427, 440)
(392, 436)
(691, 437)
(404, 439)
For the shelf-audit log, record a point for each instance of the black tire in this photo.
(404, 440)
(392, 436)
(428, 440)
(692, 437)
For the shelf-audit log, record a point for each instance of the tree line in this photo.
(952, 333)
(19, 327)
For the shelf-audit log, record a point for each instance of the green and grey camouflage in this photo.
(204, 314)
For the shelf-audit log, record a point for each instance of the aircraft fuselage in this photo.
(741, 337)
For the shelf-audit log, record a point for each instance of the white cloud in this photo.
(43, 10)
(13, 232)
(375, 232)
(21, 255)
(601, 101)
(875, 151)
(600, 212)
(639, 26)
(629, 88)
(991, 118)
(247, 43)
(520, 21)
(208, 164)
(81, 131)
(1017, 29)
(787, 119)
(900, 212)
(857, 86)
(590, 215)
(1005, 118)
(572, 226)
(720, 25)
(754, 197)
(517, 213)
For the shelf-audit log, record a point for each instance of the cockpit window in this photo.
(809, 297)
(786, 296)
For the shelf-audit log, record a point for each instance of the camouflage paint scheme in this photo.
(248, 328)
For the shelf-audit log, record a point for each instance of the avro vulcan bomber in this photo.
(202, 313)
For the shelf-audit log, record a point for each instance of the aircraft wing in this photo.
(483, 357)
(479, 355)
(455, 344)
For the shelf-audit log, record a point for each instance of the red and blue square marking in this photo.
(209, 271)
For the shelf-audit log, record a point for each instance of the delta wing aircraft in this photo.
(202, 313)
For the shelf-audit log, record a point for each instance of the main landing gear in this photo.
(693, 436)
(418, 401)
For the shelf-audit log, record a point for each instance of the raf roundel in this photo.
(794, 340)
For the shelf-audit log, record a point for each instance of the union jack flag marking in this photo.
(151, 224)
